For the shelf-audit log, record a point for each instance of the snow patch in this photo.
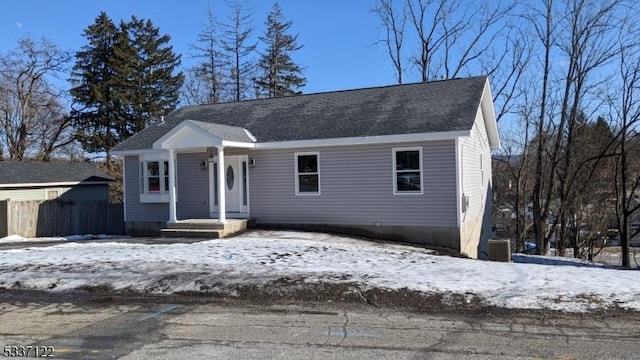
(259, 257)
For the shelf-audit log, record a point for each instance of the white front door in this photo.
(235, 182)
(231, 183)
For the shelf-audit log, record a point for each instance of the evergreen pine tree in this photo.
(279, 75)
(122, 79)
(94, 113)
(156, 89)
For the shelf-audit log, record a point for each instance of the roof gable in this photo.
(190, 133)
(428, 107)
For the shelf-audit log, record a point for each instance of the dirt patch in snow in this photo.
(294, 291)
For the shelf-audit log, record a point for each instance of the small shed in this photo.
(69, 181)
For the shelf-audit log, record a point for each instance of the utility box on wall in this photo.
(500, 250)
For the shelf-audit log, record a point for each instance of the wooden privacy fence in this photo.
(60, 218)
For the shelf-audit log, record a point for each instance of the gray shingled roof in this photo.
(447, 105)
(52, 172)
(224, 132)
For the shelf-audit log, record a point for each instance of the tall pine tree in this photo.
(94, 111)
(156, 89)
(122, 79)
(279, 75)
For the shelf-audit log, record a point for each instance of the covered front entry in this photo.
(228, 172)
(235, 178)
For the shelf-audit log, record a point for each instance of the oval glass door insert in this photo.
(230, 177)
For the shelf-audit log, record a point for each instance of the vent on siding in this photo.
(465, 203)
(500, 250)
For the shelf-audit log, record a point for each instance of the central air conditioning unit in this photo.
(500, 250)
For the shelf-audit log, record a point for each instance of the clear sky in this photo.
(337, 35)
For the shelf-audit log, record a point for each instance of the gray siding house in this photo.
(69, 181)
(406, 162)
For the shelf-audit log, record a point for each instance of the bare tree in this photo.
(519, 153)
(239, 48)
(454, 35)
(31, 115)
(206, 78)
(427, 18)
(393, 22)
(586, 45)
(625, 105)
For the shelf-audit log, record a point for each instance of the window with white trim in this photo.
(52, 194)
(307, 171)
(155, 177)
(481, 173)
(407, 170)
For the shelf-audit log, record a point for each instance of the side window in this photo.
(407, 170)
(481, 173)
(53, 194)
(153, 176)
(156, 176)
(307, 172)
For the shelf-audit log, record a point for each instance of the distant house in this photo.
(406, 162)
(73, 181)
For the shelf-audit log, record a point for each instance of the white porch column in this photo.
(172, 187)
(222, 187)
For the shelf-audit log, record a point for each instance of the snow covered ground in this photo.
(258, 257)
(19, 239)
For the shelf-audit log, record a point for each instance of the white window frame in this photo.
(296, 173)
(57, 191)
(394, 170)
(147, 196)
(481, 172)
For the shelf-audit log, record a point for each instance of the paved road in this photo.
(174, 331)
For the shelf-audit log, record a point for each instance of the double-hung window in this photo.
(154, 180)
(157, 177)
(307, 173)
(407, 170)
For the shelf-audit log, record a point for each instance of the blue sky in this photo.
(337, 35)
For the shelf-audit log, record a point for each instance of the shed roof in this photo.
(14, 173)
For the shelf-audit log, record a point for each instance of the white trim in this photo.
(364, 140)
(222, 205)
(247, 192)
(481, 172)
(63, 183)
(395, 173)
(57, 190)
(345, 141)
(166, 140)
(238, 144)
(213, 209)
(173, 217)
(489, 115)
(195, 136)
(295, 171)
(137, 152)
(250, 135)
(154, 198)
(154, 156)
(161, 196)
(458, 185)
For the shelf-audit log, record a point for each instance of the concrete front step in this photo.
(192, 233)
(209, 224)
(205, 228)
